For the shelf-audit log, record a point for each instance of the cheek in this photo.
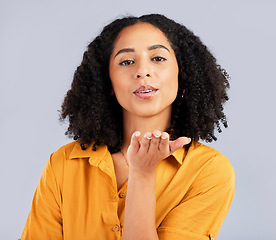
(117, 76)
(175, 73)
(174, 89)
(113, 75)
(172, 83)
(119, 87)
(114, 80)
(172, 78)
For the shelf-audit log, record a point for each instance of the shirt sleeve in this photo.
(202, 210)
(44, 220)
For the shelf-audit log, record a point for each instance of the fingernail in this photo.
(166, 136)
(148, 136)
(136, 134)
(157, 134)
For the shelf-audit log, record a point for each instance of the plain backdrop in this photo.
(41, 44)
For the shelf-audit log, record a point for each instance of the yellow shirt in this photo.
(77, 196)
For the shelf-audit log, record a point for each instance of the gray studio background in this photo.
(41, 44)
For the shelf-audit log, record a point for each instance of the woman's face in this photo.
(143, 70)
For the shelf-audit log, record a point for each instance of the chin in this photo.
(151, 112)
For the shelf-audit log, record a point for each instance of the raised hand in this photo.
(145, 152)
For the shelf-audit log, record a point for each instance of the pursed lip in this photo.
(145, 92)
(145, 89)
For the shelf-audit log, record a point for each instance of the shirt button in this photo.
(116, 228)
(122, 195)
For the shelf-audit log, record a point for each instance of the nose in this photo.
(147, 75)
(143, 70)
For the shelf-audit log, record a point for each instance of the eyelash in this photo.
(161, 59)
(128, 61)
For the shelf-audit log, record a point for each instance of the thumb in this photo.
(178, 143)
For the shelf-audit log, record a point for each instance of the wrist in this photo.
(137, 173)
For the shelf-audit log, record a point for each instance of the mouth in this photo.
(145, 92)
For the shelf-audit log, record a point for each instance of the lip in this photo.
(145, 92)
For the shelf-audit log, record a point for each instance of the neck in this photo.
(134, 123)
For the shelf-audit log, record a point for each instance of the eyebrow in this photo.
(155, 46)
(124, 50)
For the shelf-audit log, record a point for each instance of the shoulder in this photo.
(65, 150)
(209, 161)
(57, 159)
(72, 151)
(211, 175)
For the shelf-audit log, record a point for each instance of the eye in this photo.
(159, 59)
(126, 62)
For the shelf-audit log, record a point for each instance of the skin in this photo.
(142, 56)
(133, 57)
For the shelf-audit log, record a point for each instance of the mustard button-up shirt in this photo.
(77, 196)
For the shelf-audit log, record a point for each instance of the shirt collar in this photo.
(179, 155)
(96, 156)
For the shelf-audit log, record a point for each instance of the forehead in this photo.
(140, 34)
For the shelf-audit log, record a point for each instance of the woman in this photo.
(146, 91)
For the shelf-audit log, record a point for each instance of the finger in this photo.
(145, 142)
(164, 142)
(178, 143)
(154, 143)
(134, 143)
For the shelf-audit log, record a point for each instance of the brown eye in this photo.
(126, 62)
(159, 59)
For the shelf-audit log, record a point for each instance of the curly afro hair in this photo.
(95, 115)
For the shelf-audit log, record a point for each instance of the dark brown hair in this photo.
(95, 115)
